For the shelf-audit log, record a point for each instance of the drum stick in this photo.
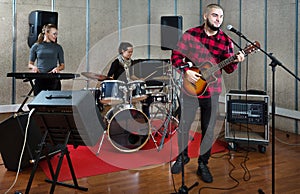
(150, 75)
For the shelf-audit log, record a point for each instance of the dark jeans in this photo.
(46, 84)
(208, 113)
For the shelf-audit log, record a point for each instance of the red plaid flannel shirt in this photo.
(197, 47)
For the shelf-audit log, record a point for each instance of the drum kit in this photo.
(122, 106)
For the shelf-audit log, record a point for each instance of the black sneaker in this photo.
(176, 168)
(204, 173)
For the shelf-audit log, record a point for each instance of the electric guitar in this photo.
(207, 70)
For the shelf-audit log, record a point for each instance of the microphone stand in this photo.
(183, 189)
(273, 64)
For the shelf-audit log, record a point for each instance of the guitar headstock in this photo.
(251, 48)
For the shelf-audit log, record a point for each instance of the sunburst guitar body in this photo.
(207, 70)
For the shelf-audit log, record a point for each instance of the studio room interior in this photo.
(149, 96)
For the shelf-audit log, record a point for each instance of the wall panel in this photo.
(277, 29)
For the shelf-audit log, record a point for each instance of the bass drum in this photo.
(128, 129)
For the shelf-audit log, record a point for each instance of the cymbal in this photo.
(164, 77)
(96, 76)
(164, 66)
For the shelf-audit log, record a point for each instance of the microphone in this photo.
(232, 29)
(188, 64)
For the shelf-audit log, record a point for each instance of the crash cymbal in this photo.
(164, 66)
(96, 76)
(164, 77)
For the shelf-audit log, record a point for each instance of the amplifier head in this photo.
(252, 112)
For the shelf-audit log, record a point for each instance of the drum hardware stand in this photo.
(154, 141)
(154, 129)
(165, 125)
(100, 144)
(130, 94)
(124, 89)
(169, 112)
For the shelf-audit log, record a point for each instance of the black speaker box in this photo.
(12, 133)
(61, 111)
(37, 19)
(171, 30)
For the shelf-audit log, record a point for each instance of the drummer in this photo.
(120, 67)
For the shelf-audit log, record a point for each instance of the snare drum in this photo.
(138, 88)
(153, 86)
(158, 97)
(112, 92)
(155, 106)
(128, 129)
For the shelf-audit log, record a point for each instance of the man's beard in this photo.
(211, 26)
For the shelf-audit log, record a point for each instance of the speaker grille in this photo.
(171, 30)
(36, 20)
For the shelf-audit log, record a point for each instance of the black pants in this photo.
(208, 113)
(46, 84)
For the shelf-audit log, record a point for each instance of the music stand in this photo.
(65, 118)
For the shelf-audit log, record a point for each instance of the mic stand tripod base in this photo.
(185, 189)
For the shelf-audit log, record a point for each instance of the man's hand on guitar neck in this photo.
(240, 57)
(192, 76)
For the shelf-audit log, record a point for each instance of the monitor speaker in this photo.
(171, 30)
(61, 112)
(12, 132)
(37, 19)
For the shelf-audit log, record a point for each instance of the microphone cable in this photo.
(233, 168)
(243, 164)
(22, 152)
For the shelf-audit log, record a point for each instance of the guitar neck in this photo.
(249, 49)
(220, 65)
(226, 62)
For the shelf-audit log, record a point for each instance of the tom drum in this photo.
(112, 92)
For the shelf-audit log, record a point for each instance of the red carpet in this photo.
(87, 163)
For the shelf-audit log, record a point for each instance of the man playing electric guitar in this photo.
(206, 44)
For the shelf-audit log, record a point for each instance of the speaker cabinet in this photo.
(59, 112)
(37, 19)
(12, 133)
(171, 30)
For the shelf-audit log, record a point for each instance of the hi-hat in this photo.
(96, 76)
